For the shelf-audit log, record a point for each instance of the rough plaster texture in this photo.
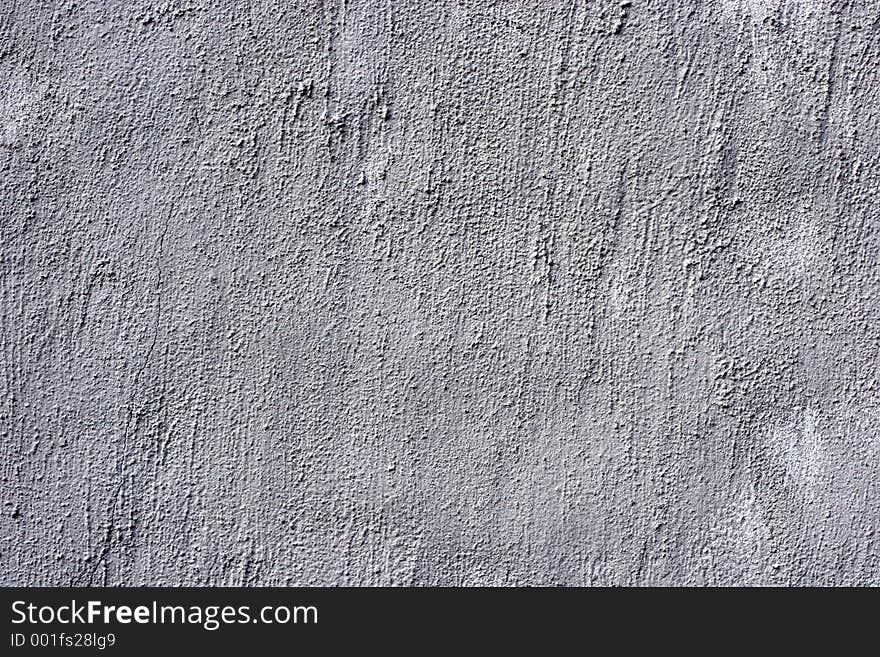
(405, 292)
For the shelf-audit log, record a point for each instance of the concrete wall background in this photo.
(440, 292)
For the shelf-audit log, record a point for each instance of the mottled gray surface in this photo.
(419, 292)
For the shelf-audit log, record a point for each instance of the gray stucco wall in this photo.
(404, 292)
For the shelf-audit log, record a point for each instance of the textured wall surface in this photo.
(408, 292)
